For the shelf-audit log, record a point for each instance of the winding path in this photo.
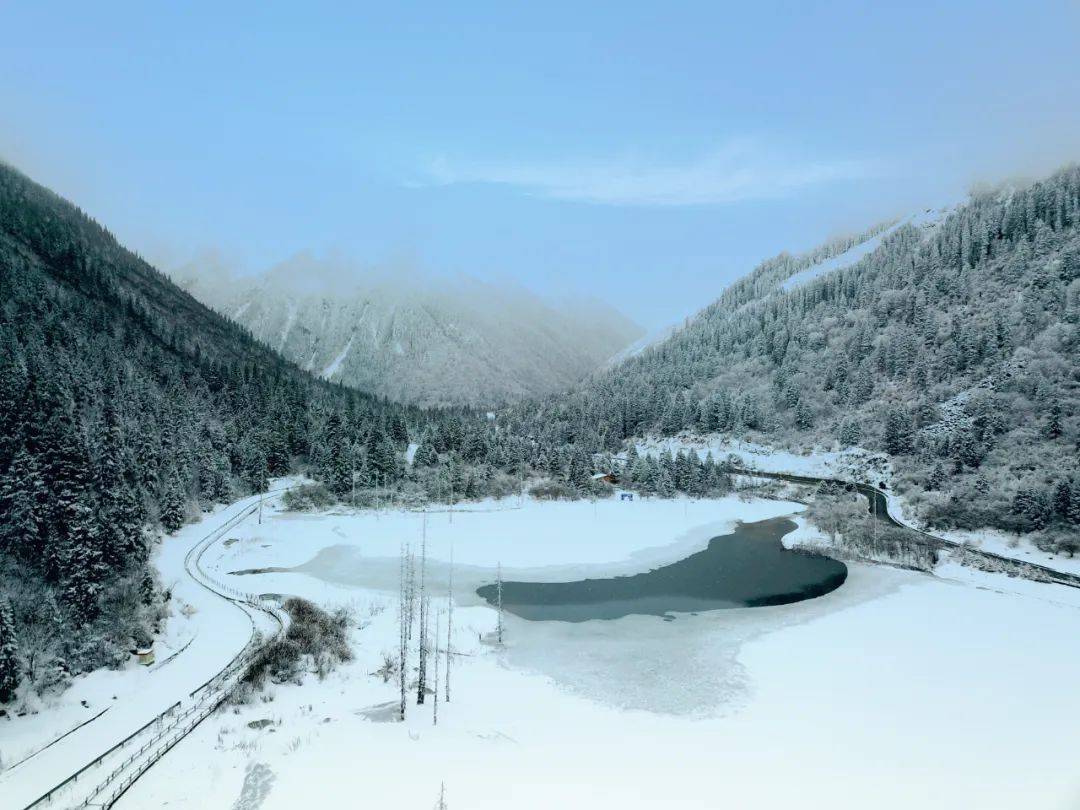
(97, 763)
(879, 504)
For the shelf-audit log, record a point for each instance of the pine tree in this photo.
(399, 432)
(80, 558)
(665, 486)
(22, 495)
(1074, 502)
(578, 470)
(173, 503)
(475, 447)
(425, 455)
(1053, 425)
(119, 512)
(1063, 499)
(9, 653)
(804, 417)
(336, 466)
(850, 433)
(382, 457)
(898, 432)
(936, 478)
(253, 463)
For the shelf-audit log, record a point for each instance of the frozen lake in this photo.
(747, 567)
(954, 690)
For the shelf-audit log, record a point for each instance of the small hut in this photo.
(607, 478)
(144, 655)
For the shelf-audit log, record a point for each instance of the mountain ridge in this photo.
(415, 339)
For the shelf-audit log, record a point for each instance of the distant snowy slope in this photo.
(413, 338)
(862, 249)
(849, 257)
(794, 271)
(651, 338)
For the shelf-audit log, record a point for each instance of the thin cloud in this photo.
(737, 172)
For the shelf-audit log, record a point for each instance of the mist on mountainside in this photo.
(413, 336)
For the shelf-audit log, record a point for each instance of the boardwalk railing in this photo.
(215, 690)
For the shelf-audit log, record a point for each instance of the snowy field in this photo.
(897, 690)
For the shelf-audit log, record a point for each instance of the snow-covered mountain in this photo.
(946, 339)
(415, 338)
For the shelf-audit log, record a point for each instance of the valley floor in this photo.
(897, 690)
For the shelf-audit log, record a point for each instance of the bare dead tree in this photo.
(449, 621)
(403, 627)
(435, 678)
(421, 685)
(498, 591)
(411, 591)
(442, 798)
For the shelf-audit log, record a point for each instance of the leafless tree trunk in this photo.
(498, 591)
(410, 574)
(403, 626)
(423, 628)
(435, 679)
(449, 621)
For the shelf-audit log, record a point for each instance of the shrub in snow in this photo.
(308, 498)
(314, 634)
(318, 633)
(553, 491)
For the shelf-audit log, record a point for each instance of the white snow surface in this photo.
(852, 463)
(335, 364)
(290, 319)
(925, 219)
(536, 539)
(897, 690)
(204, 630)
(852, 255)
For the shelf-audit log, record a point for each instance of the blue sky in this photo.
(645, 154)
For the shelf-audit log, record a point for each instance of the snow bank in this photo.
(852, 463)
(531, 539)
(817, 704)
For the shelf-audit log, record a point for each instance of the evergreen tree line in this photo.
(125, 408)
(952, 347)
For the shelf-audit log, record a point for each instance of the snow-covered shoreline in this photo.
(638, 712)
